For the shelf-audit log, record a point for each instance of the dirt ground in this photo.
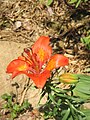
(23, 21)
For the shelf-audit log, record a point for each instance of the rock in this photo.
(8, 52)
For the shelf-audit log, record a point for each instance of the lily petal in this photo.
(17, 67)
(40, 79)
(42, 49)
(57, 61)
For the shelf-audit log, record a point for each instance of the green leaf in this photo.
(83, 77)
(13, 115)
(78, 2)
(6, 96)
(66, 114)
(52, 98)
(86, 41)
(49, 2)
(72, 1)
(5, 106)
(85, 0)
(87, 113)
(82, 88)
(55, 111)
(58, 90)
(16, 107)
(25, 105)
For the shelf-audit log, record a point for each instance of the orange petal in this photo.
(42, 49)
(17, 66)
(57, 61)
(15, 73)
(40, 79)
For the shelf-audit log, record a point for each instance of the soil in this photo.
(23, 21)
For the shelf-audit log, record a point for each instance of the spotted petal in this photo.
(17, 67)
(42, 49)
(57, 61)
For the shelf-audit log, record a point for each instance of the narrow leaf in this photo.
(66, 114)
(49, 2)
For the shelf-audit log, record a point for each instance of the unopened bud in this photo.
(69, 78)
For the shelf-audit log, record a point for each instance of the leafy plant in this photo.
(77, 2)
(87, 113)
(86, 41)
(47, 3)
(65, 104)
(82, 88)
(12, 107)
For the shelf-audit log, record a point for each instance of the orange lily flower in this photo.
(37, 62)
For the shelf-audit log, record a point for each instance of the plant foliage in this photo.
(13, 107)
(77, 2)
(86, 41)
(65, 104)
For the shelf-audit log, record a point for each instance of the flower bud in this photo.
(68, 78)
